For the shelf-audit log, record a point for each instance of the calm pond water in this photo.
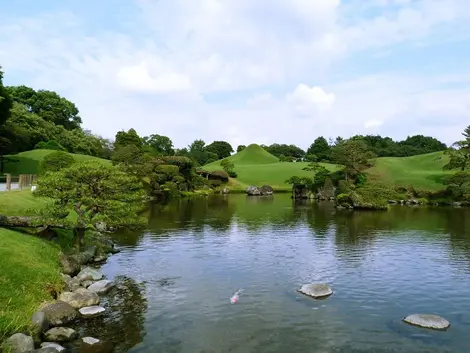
(175, 280)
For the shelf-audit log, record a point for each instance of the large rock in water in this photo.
(428, 321)
(59, 313)
(61, 334)
(316, 290)
(18, 343)
(80, 298)
(89, 274)
(51, 345)
(253, 191)
(266, 190)
(69, 264)
(91, 311)
(101, 287)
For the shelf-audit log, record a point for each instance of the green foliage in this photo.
(92, 192)
(219, 175)
(56, 161)
(240, 148)
(296, 180)
(162, 145)
(221, 148)
(459, 185)
(130, 137)
(48, 105)
(289, 151)
(354, 155)
(320, 149)
(170, 171)
(132, 160)
(49, 145)
(344, 187)
(6, 102)
(170, 190)
(228, 167)
(459, 153)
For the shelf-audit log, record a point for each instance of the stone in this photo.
(91, 311)
(101, 287)
(101, 227)
(39, 321)
(55, 346)
(46, 350)
(72, 285)
(253, 191)
(316, 290)
(18, 343)
(427, 321)
(70, 265)
(266, 190)
(61, 334)
(89, 274)
(86, 284)
(101, 258)
(90, 340)
(59, 313)
(392, 202)
(225, 191)
(81, 298)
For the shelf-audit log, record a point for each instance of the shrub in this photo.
(215, 182)
(170, 171)
(50, 145)
(219, 175)
(232, 174)
(56, 161)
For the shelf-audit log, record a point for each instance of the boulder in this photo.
(18, 343)
(61, 334)
(100, 258)
(80, 298)
(72, 285)
(59, 313)
(225, 191)
(101, 227)
(51, 345)
(428, 321)
(86, 284)
(45, 350)
(89, 274)
(91, 311)
(101, 287)
(90, 340)
(316, 290)
(39, 321)
(253, 191)
(70, 265)
(266, 190)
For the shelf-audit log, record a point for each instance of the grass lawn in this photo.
(29, 267)
(28, 162)
(20, 203)
(422, 171)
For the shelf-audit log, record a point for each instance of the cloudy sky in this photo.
(247, 71)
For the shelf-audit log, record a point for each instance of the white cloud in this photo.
(309, 100)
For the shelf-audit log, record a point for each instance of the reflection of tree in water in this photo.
(122, 325)
(320, 216)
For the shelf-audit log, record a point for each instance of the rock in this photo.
(266, 190)
(91, 311)
(61, 334)
(72, 285)
(70, 265)
(101, 258)
(39, 321)
(253, 191)
(18, 343)
(46, 350)
(101, 227)
(86, 284)
(392, 202)
(66, 278)
(86, 256)
(80, 298)
(90, 340)
(55, 346)
(428, 321)
(89, 274)
(59, 313)
(225, 191)
(101, 287)
(456, 204)
(316, 290)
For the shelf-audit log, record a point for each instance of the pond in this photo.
(175, 279)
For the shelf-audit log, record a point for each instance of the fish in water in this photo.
(236, 296)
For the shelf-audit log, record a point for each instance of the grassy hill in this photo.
(28, 162)
(255, 166)
(423, 171)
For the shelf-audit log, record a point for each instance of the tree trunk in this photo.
(79, 234)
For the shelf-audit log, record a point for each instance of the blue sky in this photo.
(248, 71)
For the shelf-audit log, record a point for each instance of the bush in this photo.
(232, 174)
(170, 171)
(56, 161)
(219, 175)
(50, 145)
(215, 182)
(344, 187)
(170, 190)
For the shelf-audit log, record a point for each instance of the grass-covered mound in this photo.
(28, 162)
(252, 154)
(29, 271)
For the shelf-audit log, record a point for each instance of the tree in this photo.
(459, 153)
(5, 101)
(221, 148)
(241, 148)
(286, 150)
(198, 153)
(228, 167)
(353, 155)
(130, 137)
(320, 149)
(93, 192)
(459, 185)
(56, 161)
(161, 144)
(48, 105)
(49, 145)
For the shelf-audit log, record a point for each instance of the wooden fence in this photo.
(23, 181)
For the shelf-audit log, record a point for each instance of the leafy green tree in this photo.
(161, 144)
(130, 137)
(92, 192)
(241, 148)
(228, 167)
(320, 148)
(293, 151)
(198, 153)
(459, 153)
(459, 185)
(50, 145)
(5, 101)
(221, 148)
(55, 161)
(48, 105)
(353, 155)
(132, 160)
